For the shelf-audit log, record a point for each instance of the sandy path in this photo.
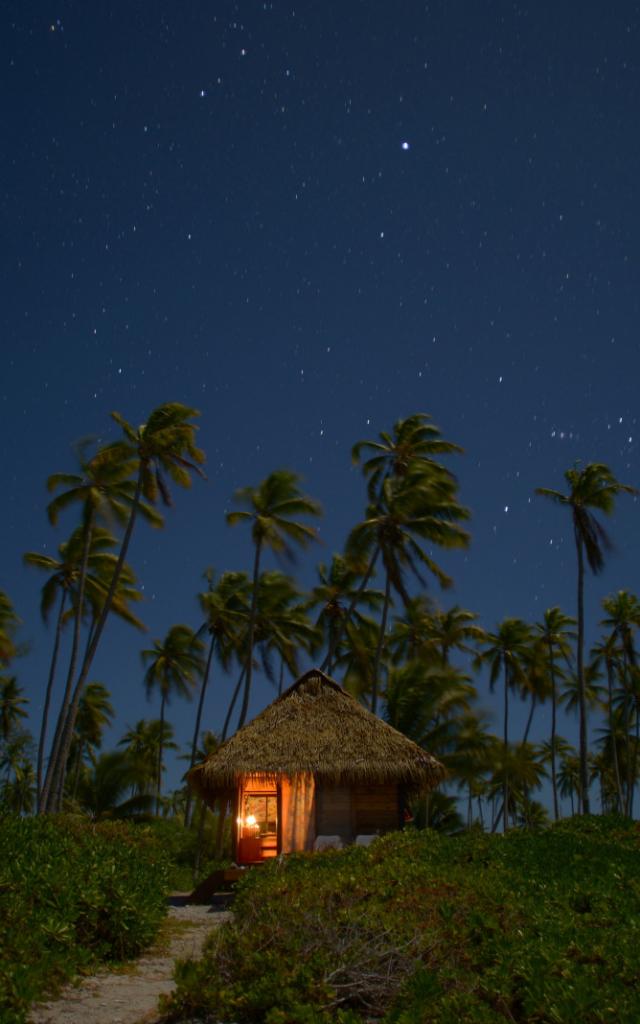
(128, 998)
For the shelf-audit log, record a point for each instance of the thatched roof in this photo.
(316, 726)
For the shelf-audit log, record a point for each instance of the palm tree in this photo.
(517, 770)
(555, 635)
(164, 445)
(63, 575)
(103, 491)
(271, 507)
(412, 631)
(337, 589)
(94, 714)
(508, 651)
(12, 704)
(407, 451)
(570, 779)
(409, 512)
(623, 619)
(282, 625)
(173, 667)
(403, 456)
(142, 743)
(453, 629)
(226, 608)
(111, 788)
(592, 488)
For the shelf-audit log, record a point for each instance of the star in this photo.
(405, 146)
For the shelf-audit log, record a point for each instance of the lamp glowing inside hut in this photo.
(315, 763)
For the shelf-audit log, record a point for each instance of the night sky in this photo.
(307, 222)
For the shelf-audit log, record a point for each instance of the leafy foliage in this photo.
(72, 895)
(534, 928)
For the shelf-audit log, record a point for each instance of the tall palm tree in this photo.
(591, 489)
(174, 665)
(104, 492)
(507, 652)
(400, 456)
(225, 606)
(163, 446)
(410, 512)
(556, 635)
(270, 508)
(63, 576)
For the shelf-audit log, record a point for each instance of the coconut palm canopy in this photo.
(316, 726)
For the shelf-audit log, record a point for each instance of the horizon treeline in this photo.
(372, 618)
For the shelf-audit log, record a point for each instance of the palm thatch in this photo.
(317, 727)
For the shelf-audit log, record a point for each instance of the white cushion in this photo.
(327, 843)
(364, 840)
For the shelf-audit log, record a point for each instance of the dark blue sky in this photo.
(308, 221)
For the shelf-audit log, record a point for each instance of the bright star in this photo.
(405, 145)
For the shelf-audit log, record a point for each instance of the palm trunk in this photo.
(49, 791)
(635, 760)
(534, 704)
(614, 743)
(345, 619)
(47, 699)
(554, 724)
(97, 633)
(505, 788)
(196, 731)
(160, 752)
(380, 645)
(232, 704)
(250, 640)
(584, 776)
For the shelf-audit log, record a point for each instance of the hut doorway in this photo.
(258, 820)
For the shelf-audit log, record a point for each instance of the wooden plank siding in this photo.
(364, 810)
(375, 809)
(333, 812)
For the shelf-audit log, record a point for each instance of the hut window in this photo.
(259, 814)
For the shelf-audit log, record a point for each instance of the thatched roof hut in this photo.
(314, 762)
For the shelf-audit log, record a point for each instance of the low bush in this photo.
(419, 928)
(72, 894)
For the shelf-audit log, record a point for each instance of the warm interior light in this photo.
(251, 819)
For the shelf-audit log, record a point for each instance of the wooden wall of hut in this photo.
(349, 811)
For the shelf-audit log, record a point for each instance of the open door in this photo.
(257, 821)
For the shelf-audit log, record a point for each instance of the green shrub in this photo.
(71, 895)
(537, 928)
(180, 845)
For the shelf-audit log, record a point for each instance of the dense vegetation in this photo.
(72, 895)
(419, 928)
(372, 620)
